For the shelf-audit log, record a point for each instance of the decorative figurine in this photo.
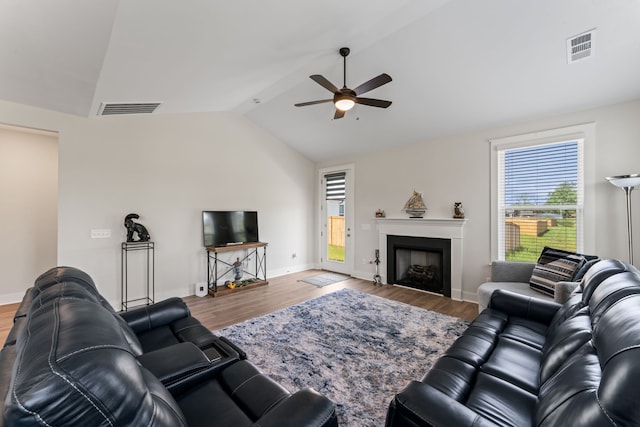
(458, 211)
(415, 206)
(134, 227)
(380, 213)
(237, 270)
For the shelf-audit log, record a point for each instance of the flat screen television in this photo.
(223, 228)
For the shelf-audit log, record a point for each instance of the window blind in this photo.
(540, 198)
(335, 186)
(544, 175)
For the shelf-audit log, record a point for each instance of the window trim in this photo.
(586, 132)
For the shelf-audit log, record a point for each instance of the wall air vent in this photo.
(115, 108)
(580, 46)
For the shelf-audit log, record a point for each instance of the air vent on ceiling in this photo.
(109, 109)
(580, 46)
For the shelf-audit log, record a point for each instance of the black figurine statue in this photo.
(134, 227)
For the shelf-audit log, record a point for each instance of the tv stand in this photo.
(258, 276)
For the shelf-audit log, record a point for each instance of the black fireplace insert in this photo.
(420, 262)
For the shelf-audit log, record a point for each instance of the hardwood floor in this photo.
(282, 292)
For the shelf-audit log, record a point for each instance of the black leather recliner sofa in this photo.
(529, 362)
(70, 359)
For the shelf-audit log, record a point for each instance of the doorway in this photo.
(29, 211)
(336, 219)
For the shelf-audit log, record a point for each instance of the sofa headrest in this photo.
(71, 283)
(74, 365)
(597, 273)
(616, 336)
(611, 290)
(64, 274)
(66, 282)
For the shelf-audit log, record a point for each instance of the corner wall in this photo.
(168, 169)
(457, 169)
(28, 208)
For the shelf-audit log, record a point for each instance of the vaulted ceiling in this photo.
(457, 65)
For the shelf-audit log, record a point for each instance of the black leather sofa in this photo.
(530, 362)
(70, 359)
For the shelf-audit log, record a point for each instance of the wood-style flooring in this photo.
(220, 311)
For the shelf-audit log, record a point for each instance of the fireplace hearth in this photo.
(420, 262)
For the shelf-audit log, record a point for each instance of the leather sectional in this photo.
(70, 359)
(529, 362)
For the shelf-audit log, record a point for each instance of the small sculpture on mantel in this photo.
(415, 206)
(458, 210)
(134, 227)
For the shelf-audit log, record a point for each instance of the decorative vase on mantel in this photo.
(415, 206)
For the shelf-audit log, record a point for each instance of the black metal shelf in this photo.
(149, 248)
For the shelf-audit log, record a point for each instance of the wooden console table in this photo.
(258, 275)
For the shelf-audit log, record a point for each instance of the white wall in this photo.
(457, 168)
(28, 208)
(168, 169)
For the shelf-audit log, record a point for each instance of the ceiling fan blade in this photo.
(321, 101)
(324, 83)
(339, 114)
(373, 102)
(375, 82)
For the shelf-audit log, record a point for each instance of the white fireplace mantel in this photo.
(438, 228)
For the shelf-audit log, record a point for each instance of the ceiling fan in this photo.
(344, 99)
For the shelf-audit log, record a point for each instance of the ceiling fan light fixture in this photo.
(344, 103)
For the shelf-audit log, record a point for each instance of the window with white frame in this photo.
(538, 193)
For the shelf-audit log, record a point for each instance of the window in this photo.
(538, 194)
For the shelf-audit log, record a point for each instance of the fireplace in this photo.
(431, 228)
(420, 262)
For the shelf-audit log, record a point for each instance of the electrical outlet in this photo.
(101, 233)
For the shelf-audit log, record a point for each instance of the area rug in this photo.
(325, 279)
(357, 349)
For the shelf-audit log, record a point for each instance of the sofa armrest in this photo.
(424, 405)
(184, 365)
(170, 364)
(563, 291)
(306, 407)
(511, 271)
(515, 304)
(162, 313)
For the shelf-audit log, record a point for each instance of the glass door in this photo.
(336, 228)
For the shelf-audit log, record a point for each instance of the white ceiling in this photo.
(457, 65)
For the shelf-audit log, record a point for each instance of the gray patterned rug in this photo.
(357, 349)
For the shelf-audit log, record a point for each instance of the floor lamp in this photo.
(627, 182)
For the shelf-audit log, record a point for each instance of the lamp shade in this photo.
(626, 183)
(623, 181)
